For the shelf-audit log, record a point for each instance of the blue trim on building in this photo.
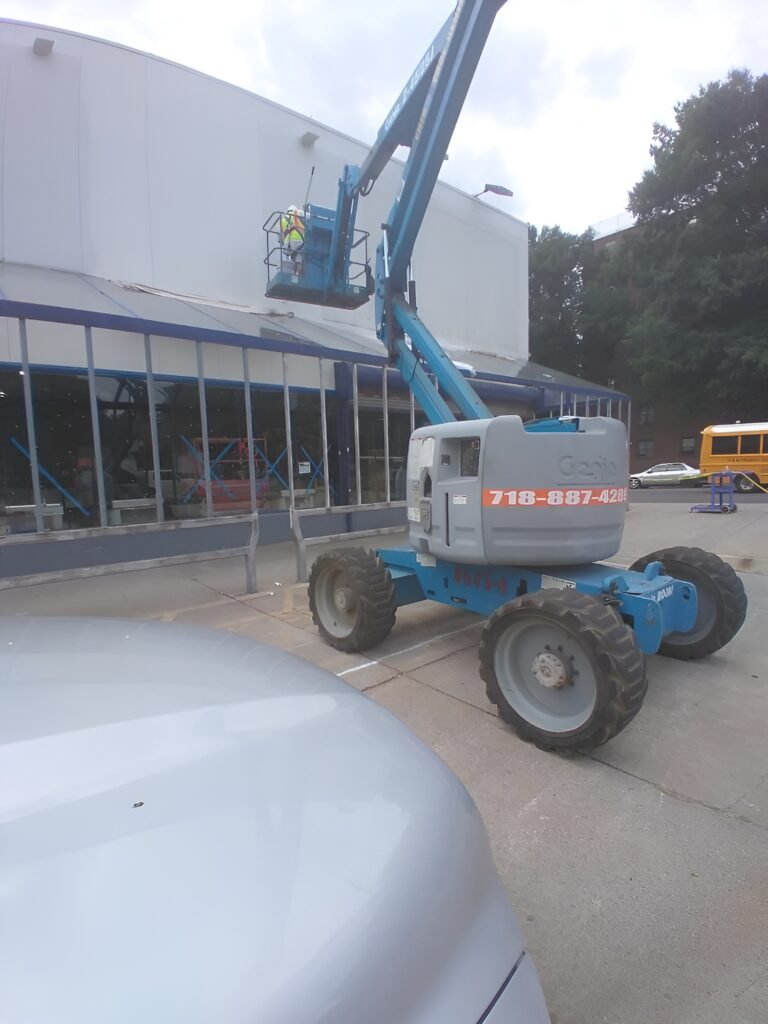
(531, 391)
(176, 378)
(183, 332)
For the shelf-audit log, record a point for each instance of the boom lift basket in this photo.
(301, 271)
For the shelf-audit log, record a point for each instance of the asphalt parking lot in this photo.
(639, 873)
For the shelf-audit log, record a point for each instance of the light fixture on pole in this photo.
(498, 190)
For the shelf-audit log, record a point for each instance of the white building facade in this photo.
(133, 197)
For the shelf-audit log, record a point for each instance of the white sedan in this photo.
(196, 828)
(666, 473)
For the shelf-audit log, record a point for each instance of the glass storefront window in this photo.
(16, 497)
(269, 448)
(126, 449)
(179, 432)
(65, 446)
(66, 450)
(306, 431)
(372, 454)
(399, 436)
(228, 450)
(372, 463)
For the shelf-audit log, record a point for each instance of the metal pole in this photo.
(250, 557)
(30, 416)
(356, 414)
(384, 400)
(151, 400)
(204, 430)
(629, 441)
(288, 435)
(562, 400)
(249, 430)
(324, 433)
(412, 404)
(97, 458)
(301, 549)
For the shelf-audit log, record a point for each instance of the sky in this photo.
(561, 109)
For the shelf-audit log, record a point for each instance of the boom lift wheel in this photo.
(722, 603)
(563, 669)
(352, 598)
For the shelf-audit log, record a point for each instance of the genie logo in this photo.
(595, 469)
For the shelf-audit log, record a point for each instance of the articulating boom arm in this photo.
(423, 117)
(398, 129)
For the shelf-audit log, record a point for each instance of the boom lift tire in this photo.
(722, 602)
(352, 598)
(563, 669)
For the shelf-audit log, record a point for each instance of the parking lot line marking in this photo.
(407, 650)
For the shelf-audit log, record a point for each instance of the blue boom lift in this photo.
(506, 519)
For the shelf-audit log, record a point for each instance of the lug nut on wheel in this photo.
(550, 670)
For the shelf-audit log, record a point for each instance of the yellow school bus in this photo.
(742, 447)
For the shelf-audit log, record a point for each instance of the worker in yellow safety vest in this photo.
(292, 239)
(292, 229)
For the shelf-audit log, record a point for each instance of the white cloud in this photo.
(561, 109)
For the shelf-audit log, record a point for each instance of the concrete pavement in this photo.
(640, 873)
(741, 538)
(689, 496)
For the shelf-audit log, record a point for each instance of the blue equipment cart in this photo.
(720, 494)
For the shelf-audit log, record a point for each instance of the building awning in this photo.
(62, 296)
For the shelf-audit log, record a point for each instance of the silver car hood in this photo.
(197, 828)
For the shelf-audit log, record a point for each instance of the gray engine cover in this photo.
(489, 492)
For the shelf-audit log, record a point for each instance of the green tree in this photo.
(556, 278)
(700, 254)
(579, 304)
(606, 310)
